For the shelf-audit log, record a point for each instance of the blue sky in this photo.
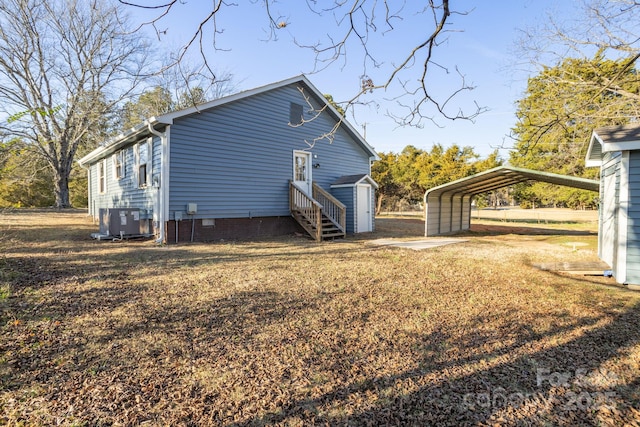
(481, 44)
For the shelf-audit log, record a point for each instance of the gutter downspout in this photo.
(163, 181)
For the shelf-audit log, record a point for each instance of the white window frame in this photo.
(118, 164)
(147, 165)
(102, 176)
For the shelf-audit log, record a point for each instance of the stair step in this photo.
(329, 228)
(324, 236)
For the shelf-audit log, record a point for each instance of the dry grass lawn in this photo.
(292, 332)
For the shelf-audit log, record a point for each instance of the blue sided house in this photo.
(274, 160)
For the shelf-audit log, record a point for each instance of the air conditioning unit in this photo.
(119, 222)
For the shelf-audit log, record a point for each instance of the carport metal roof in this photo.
(448, 206)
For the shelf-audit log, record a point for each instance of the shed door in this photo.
(363, 215)
(302, 170)
(608, 228)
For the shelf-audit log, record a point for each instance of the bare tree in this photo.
(603, 38)
(405, 79)
(190, 86)
(64, 65)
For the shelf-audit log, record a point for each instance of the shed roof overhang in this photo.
(610, 139)
(353, 180)
(445, 211)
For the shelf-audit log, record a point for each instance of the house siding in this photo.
(124, 192)
(235, 160)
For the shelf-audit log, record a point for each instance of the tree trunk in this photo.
(379, 204)
(62, 188)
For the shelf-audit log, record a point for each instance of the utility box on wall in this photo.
(120, 221)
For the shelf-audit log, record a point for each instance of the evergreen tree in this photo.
(562, 106)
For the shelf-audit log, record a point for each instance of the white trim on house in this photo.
(102, 176)
(305, 184)
(119, 159)
(623, 219)
(148, 164)
(125, 138)
(135, 133)
(165, 155)
(620, 146)
(611, 139)
(170, 117)
(366, 178)
(594, 152)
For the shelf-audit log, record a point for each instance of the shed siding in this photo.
(124, 192)
(633, 226)
(608, 215)
(235, 160)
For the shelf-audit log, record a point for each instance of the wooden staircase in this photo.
(322, 216)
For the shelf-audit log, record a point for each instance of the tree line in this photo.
(75, 72)
(555, 119)
(561, 107)
(404, 177)
(26, 178)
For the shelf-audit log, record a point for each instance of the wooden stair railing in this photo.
(333, 208)
(306, 211)
(320, 221)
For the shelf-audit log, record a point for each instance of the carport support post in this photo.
(469, 207)
(440, 213)
(453, 195)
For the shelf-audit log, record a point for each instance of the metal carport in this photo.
(448, 206)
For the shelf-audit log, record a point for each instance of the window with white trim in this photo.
(102, 177)
(118, 164)
(144, 163)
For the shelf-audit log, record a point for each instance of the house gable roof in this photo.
(610, 139)
(161, 121)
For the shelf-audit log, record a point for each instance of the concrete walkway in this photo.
(416, 245)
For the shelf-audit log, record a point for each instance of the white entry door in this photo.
(363, 216)
(302, 170)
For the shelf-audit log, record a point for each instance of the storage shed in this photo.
(616, 151)
(357, 193)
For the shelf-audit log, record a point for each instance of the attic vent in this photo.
(295, 114)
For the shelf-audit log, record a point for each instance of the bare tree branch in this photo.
(356, 23)
(600, 30)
